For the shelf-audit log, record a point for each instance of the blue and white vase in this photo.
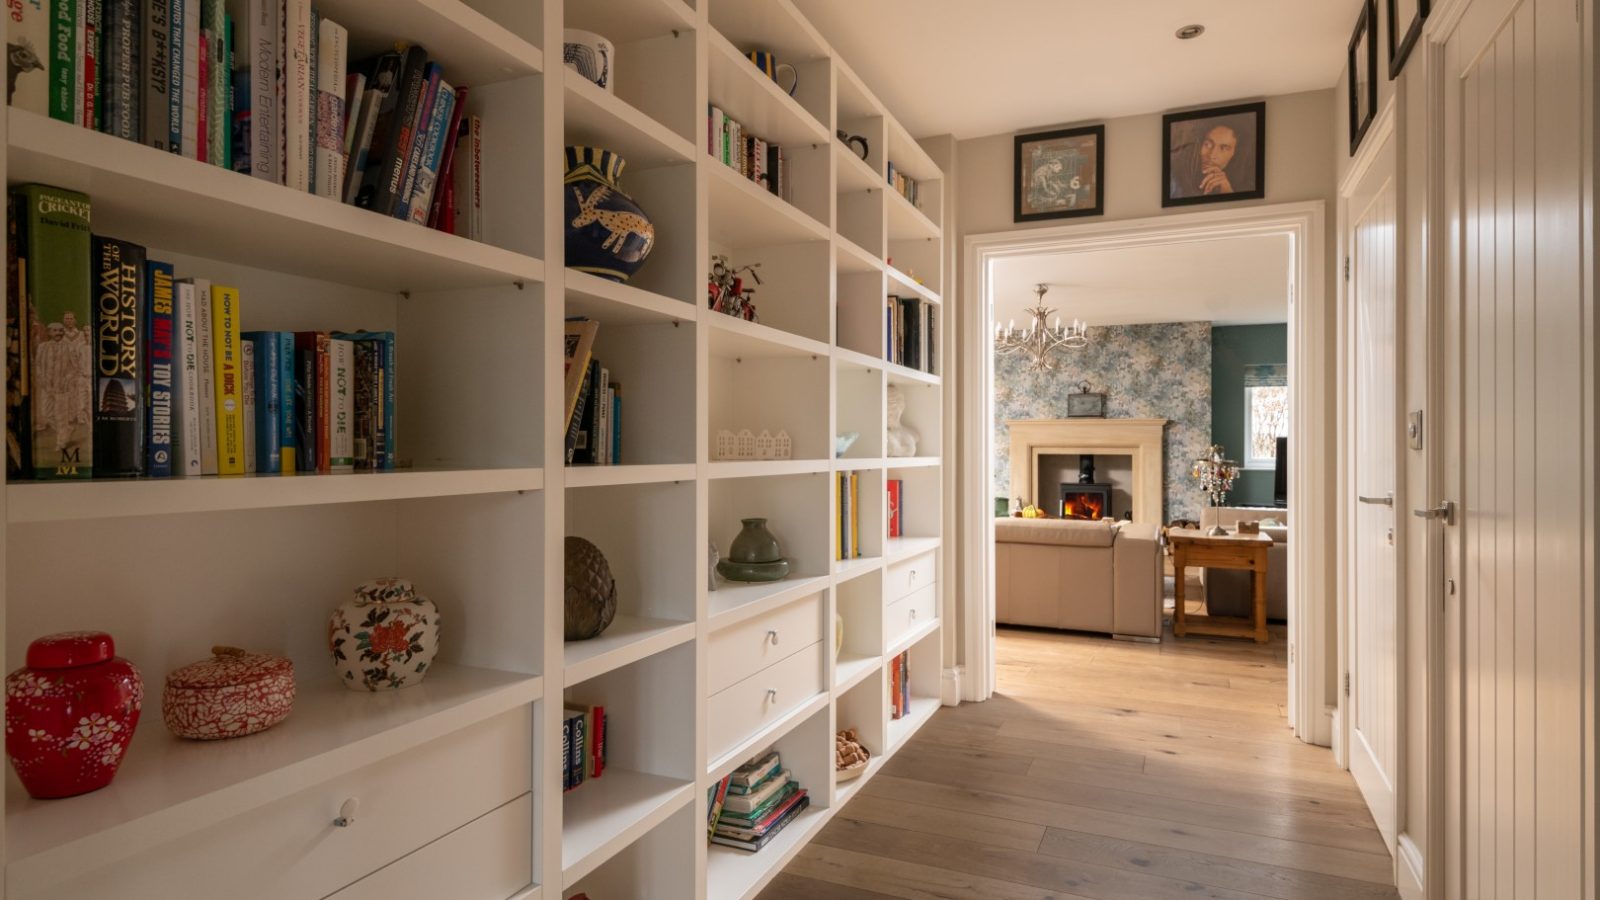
(607, 233)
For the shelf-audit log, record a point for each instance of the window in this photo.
(1266, 414)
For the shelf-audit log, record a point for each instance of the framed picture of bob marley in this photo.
(1060, 174)
(1214, 155)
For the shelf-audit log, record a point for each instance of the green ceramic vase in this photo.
(755, 544)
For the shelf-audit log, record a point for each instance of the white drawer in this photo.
(291, 848)
(910, 575)
(907, 613)
(761, 699)
(486, 858)
(747, 648)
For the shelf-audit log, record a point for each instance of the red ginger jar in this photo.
(232, 694)
(70, 714)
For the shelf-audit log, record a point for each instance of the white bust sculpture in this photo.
(901, 441)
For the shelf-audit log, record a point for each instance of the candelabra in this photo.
(1039, 340)
(1216, 474)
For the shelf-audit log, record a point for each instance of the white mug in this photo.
(590, 55)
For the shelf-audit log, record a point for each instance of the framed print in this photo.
(1214, 155)
(1363, 74)
(1084, 405)
(1059, 174)
(1405, 27)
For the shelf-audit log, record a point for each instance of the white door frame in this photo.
(1311, 573)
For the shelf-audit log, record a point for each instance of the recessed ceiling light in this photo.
(1190, 32)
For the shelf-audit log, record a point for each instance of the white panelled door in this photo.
(1512, 442)
(1371, 660)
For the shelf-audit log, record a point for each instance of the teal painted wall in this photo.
(1232, 348)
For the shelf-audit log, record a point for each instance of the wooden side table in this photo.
(1192, 547)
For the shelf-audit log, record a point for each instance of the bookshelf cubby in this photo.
(478, 509)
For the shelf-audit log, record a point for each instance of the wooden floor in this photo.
(1111, 770)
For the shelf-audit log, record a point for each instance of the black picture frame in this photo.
(1359, 61)
(1409, 34)
(1025, 208)
(1085, 405)
(1182, 136)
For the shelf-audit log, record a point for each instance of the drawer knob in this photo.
(773, 637)
(347, 813)
(913, 614)
(913, 575)
(772, 695)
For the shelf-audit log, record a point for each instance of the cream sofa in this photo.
(1079, 575)
(1228, 591)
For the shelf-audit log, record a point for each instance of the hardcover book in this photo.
(161, 357)
(341, 405)
(449, 138)
(391, 137)
(206, 358)
(29, 52)
(260, 27)
(178, 57)
(383, 451)
(225, 354)
(55, 247)
(467, 183)
(121, 72)
(367, 408)
(311, 401)
(155, 72)
(580, 335)
(332, 58)
(89, 38)
(269, 391)
(427, 181)
(219, 79)
(186, 429)
(64, 97)
(248, 402)
(380, 88)
(421, 121)
(19, 439)
(297, 98)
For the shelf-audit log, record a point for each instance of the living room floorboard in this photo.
(1108, 770)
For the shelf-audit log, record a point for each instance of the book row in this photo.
(911, 333)
(900, 685)
(262, 87)
(896, 489)
(752, 804)
(756, 159)
(118, 367)
(594, 401)
(847, 530)
(583, 745)
(904, 185)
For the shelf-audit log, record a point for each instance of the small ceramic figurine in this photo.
(900, 441)
(384, 638)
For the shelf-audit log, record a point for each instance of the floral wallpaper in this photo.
(1145, 371)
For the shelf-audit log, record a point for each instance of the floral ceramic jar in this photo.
(385, 638)
(232, 694)
(70, 713)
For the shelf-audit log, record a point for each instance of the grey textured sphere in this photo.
(591, 592)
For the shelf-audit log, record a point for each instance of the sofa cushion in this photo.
(1278, 533)
(1056, 532)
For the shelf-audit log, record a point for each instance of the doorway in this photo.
(1311, 631)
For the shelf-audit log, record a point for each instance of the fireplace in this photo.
(1085, 501)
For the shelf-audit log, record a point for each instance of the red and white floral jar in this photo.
(232, 694)
(70, 713)
(385, 638)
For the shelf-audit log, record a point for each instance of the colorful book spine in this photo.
(616, 425)
(270, 393)
(64, 96)
(297, 94)
(313, 34)
(341, 406)
(447, 162)
(120, 71)
(602, 417)
(367, 418)
(575, 426)
(91, 13)
(250, 404)
(56, 249)
(333, 42)
(391, 137)
(225, 316)
(422, 119)
(715, 797)
(566, 752)
(218, 77)
(179, 74)
(155, 28)
(383, 449)
(19, 424)
(597, 741)
(374, 101)
(187, 428)
(29, 52)
(161, 357)
(467, 216)
(895, 486)
(286, 425)
(575, 759)
(310, 400)
(432, 157)
(206, 356)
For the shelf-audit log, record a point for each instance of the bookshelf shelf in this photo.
(845, 790)
(901, 279)
(908, 155)
(775, 731)
(901, 729)
(631, 20)
(904, 376)
(896, 549)
(846, 569)
(914, 462)
(853, 258)
(603, 476)
(628, 640)
(64, 501)
(596, 118)
(906, 222)
(746, 215)
(853, 464)
(604, 816)
(848, 357)
(854, 174)
(732, 602)
(169, 787)
(912, 637)
(737, 339)
(473, 48)
(594, 297)
(738, 873)
(755, 101)
(849, 671)
(164, 200)
(759, 467)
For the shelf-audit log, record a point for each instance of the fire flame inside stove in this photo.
(1083, 506)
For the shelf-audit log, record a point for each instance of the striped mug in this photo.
(769, 64)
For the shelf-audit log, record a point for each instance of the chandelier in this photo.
(1039, 340)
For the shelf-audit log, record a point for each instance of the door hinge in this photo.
(1347, 268)
(1347, 684)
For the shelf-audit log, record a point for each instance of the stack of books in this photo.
(594, 401)
(756, 159)
(896, 488)
(900, 686)
(904, 186)
(912, 334)
(750, 806)
(261, 87)
(583, 745)
(118, 367)
(847, 530)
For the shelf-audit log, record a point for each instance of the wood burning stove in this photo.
(1085, 501)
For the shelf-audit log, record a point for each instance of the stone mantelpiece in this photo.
(1140, 439)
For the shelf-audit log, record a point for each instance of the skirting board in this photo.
(950, 686)
(1408, 869)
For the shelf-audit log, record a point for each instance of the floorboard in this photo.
(1106, 770)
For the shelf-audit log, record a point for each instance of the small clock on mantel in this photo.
(1086, 405)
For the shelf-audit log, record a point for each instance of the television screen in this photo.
(1280, 478)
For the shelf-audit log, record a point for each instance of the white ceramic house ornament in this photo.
(746, 445)
(765, 445)
(782, 446)
(727, 445)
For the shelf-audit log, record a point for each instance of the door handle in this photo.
(1385, 500)
(1445, 511)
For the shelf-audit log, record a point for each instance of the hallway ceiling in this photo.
(1232, 281)
(972, 69)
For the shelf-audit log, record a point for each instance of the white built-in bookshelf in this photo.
(459, 779)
